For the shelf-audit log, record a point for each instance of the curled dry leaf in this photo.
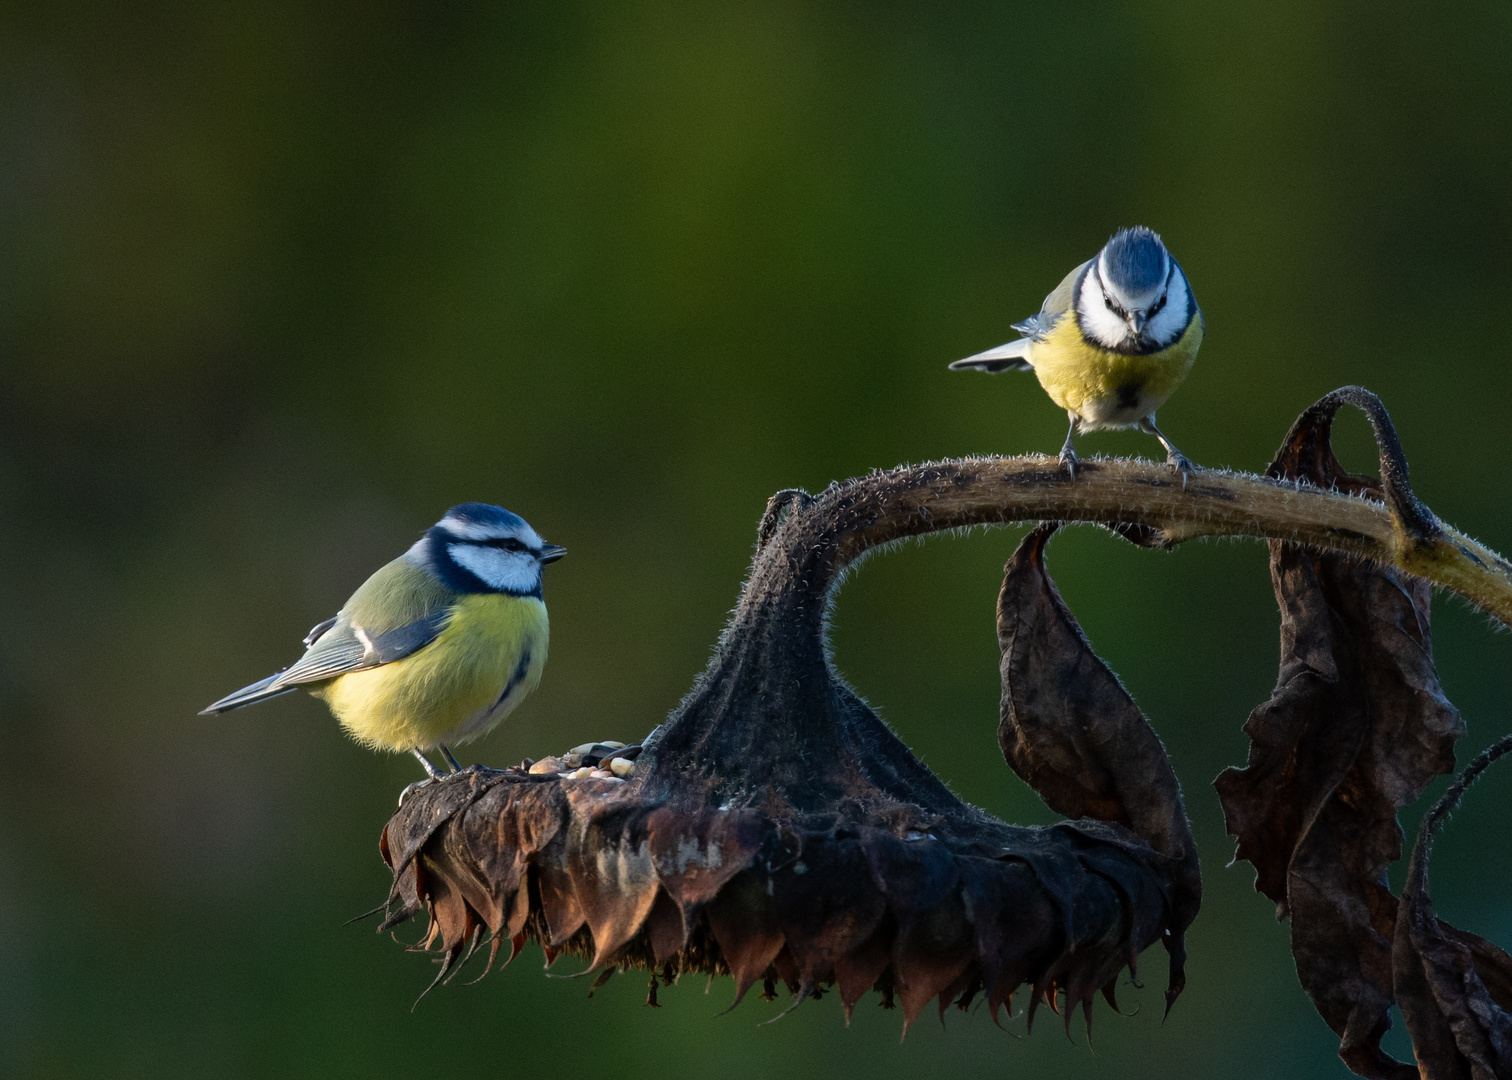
(1072, 731)
(1356, 728)
(1454, 988)
(775, 830)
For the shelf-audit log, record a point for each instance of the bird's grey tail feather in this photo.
(261, 690)
(1012, 356)
(993, 366)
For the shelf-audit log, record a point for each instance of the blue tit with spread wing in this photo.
(1111, 343)
(438, 646)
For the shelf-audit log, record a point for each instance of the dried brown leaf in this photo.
(1454, 988)
(664, 929)
(695, 854)
(1356, 728)
(933, 948)
(613, 875)
(743, 921)
(560, 909)
(1017, 926)
(1072, 731)
(826, 904)
(1069, 728)
(858, 970)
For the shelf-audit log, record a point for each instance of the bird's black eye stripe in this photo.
(508, 543)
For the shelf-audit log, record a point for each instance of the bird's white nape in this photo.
(508, 571)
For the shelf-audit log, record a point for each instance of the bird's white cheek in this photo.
(509, 571)
(1100, 324)
(1170, 320)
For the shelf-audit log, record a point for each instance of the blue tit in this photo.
(1112, 342)
(435, 648)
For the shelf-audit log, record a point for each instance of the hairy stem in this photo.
(823, 534)
(770, 711)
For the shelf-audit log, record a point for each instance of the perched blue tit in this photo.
(1112, 342)
(435, 648)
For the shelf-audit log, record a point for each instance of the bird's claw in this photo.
(439, 778)
(1070, 461)
(410, 789)
(1180, 463)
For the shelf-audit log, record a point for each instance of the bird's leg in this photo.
(432, 774)
(451, 759)
(1068, 451)
(1174, 457)
(425, 763)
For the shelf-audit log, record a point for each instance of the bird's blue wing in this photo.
(318, 630)
(339, 649)
(347, 647)
(1061, 300)
(397, 611)
(1035, 326)
(1014, 356)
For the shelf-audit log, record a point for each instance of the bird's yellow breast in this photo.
(455, 689)
(1106, 388)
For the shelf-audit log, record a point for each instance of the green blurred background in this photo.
(281, 282)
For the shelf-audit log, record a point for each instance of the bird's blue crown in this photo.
(1136, 260)
(485, 515)
(478, 547)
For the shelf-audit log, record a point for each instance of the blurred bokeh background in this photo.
(280, 282)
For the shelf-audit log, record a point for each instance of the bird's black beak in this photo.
(551, 553)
